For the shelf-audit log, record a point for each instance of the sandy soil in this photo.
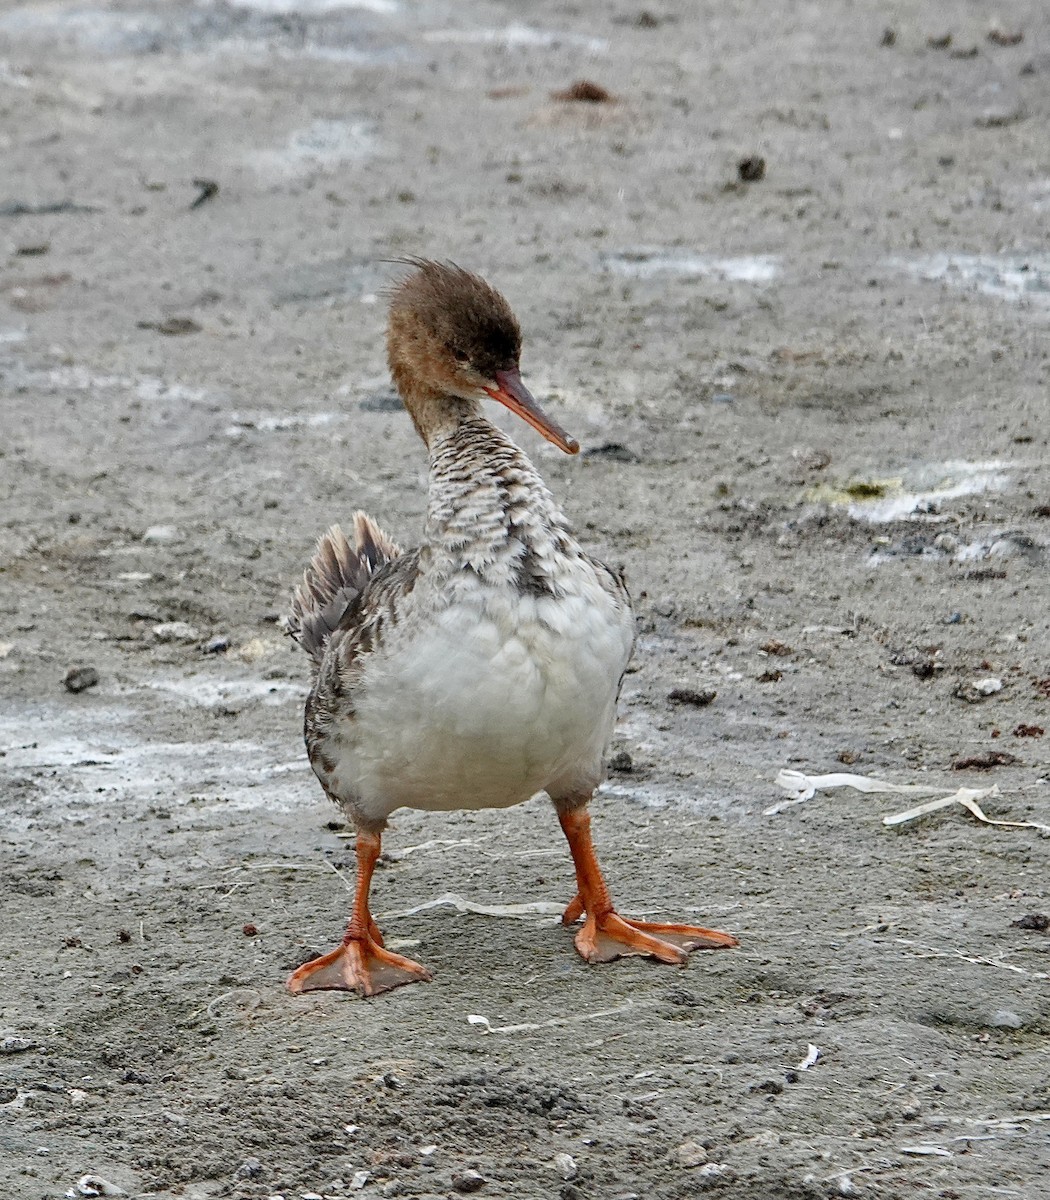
(815, 407)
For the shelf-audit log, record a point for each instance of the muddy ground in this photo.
(815, 413)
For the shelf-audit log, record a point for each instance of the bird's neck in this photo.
(489, 513)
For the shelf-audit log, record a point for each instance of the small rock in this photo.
(176, 631)
(359, 1180)
(616, 451)
(987, 687)
(621, 763)
(1028, 731)
(780, 649)
(751, 169)
(999, 118)
(16, 1045)
(172, 326)
(216, 645)
(255, 649)
(889, 37)
(1000, 37)
(1039, 922)
(251, 1168)
(696, 697)
(161, 533)
(977, 690)
(1004, 1018)
(6, 648)
(468, 1181)
(691, 1154)
(95, 1185)
(79, 679)
(585, 91)
(565, 1165)
(984, 762)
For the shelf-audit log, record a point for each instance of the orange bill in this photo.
(512, 393)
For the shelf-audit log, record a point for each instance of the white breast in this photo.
(495, 697)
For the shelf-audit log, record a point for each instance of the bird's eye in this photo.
(461, 356)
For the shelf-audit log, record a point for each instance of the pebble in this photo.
(1004, 1018)
(977, 690)
(176, 631)
(216, 645)
(699, 698)
(16, 1045)
(79, 679)
(691, 1154)
(468, 1181)
(712, 1170)
(95, 1185)
(565, 1165)
(251, 1168)
(359, 1180)
(987, 687)
(255, 649)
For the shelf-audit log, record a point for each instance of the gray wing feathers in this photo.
(336, 576)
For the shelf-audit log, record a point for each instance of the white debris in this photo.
(987, 687)
(938, 1151)
(977, 690)
(161, 533)
(812, 1054)
(803, 787)
(359, 1180)
(555, 1022)
(522, 911)
(95, 1185)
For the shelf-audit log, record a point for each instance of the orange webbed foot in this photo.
(611, 936)
(360, 965)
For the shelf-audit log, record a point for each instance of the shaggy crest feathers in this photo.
(338, 573)
(464, 314)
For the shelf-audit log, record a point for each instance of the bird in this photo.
(483, 667)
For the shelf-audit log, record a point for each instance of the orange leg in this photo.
(360, 964)
(605, 934)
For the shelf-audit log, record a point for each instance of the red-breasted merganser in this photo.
(484, 666)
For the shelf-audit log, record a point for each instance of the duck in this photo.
(481, 668)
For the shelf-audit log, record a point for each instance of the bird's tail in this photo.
(336, 576)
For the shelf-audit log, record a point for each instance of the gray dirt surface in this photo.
(757, 370)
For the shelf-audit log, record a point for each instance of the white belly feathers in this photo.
(496, 697)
